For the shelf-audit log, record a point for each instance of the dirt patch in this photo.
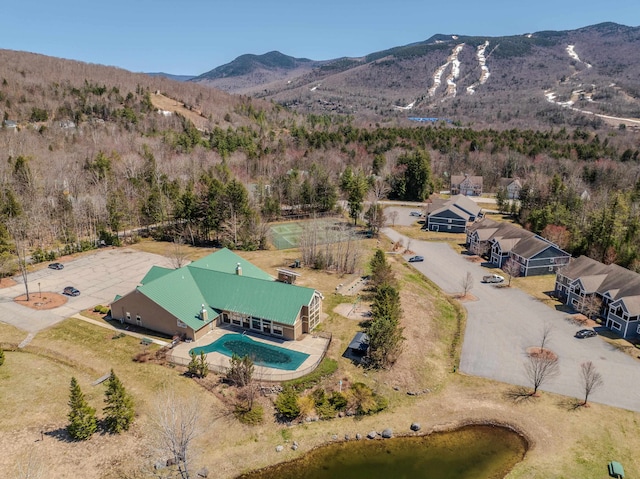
(7, 282)
(474, 259)
(347, 310)
(536, 352)
(465, 298)
(40, 301)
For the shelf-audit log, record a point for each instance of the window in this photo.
(551, 268)
(574, 302)
(138, 320)
(449, 220)
(552, 260)
(225, 318)
(255, 323)
(128, 316)
(181, 324)
(616, 326)
(448, 227)
(277, 330)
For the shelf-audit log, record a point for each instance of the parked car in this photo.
(586, 333)
(56, 266)
(71, 291)
(416, 259)
(493, 278)
(415, 213)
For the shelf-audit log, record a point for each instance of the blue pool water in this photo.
(262, 354)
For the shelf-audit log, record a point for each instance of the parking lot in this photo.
(99, 277)
(503, 322)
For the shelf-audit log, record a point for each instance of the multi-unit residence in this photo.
(466, 185)
(454, 216)
(499, 241)
(606, 290)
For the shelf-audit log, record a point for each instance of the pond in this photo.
(471, 452)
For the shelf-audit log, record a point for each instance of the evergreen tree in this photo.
(82, 417)
(1, 356)
(119, 409)
(384, 330)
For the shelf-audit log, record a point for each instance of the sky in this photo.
(191, 37)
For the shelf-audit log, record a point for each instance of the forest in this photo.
(86, 155)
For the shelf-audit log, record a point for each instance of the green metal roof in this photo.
(226, 261)
(183, 291)
(154, 273)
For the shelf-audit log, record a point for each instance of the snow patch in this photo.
(314, 88)
(571, 52)
(484, 70)
(453, 75)
(408, 107)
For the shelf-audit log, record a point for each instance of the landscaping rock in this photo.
(387, 433)
(415, 426)
(358, 436)
(372, 435)
(279, 448)
(295, 443)
(204, 472)
(347, 437)
(334, 437)
(294, 447)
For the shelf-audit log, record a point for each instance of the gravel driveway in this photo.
(504, 322)
(99, 277)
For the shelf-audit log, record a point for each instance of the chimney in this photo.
(204, 314)
(239, 270)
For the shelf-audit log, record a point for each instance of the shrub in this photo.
(104, 310)
(326, 368)
(97, 308)
(338, 401)
(1, 356)
(287, 403)
(251, 417)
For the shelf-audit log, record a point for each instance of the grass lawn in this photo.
(34, 386)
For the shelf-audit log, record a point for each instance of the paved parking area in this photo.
(99, 277)
(504, 322)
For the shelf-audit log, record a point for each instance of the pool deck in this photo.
(314, 346)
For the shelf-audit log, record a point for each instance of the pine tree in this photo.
(119, 410)
(1, 357)
(82, 417)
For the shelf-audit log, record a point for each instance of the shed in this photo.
(359, 344)
(616, 469)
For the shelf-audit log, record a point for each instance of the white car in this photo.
(493, 278)
(415, 213)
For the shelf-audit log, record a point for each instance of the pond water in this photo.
(471, 452)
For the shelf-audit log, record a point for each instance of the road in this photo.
(503, 322)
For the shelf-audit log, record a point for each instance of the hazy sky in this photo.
(194, 36)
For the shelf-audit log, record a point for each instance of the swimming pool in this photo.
(262, 354)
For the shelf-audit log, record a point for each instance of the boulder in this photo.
(358, 436)
(347, 437)
(279, 448)
(334, 437)
(372, 435)
(415, 426)
(387, 433)
(294, 447)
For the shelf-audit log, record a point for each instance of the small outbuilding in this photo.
(359, 344)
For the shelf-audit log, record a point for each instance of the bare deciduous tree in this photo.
(511, 268)
(547, 329)
(393, 216)
(540, 368)
(178, 253)
(176, 424)
(591, 379)
(17, 228)
(591, 306)
(467, 283)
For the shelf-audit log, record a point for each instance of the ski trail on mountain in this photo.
(582, 94)
(484, 69)
(455, 72)
(572, 53)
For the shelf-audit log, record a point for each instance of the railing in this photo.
(264, 373)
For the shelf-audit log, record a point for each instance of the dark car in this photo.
(586, 333)
(416, 259)
(71, 291)
(56, 266)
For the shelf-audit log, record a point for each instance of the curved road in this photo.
(504, 322)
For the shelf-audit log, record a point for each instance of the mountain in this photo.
(548, 77)
(172, 77)
(248, 72)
